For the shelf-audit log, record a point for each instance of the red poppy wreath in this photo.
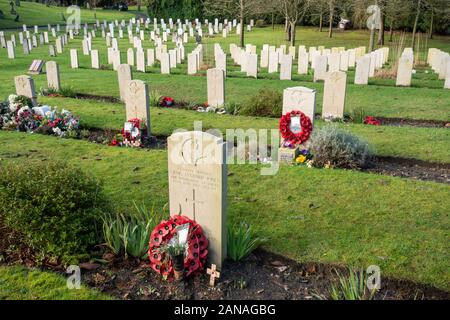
(196, 247)
(286, 132)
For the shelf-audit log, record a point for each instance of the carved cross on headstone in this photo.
(194, 201)
(213, 274)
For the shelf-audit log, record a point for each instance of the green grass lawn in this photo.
(331, 216)
(429, 144)
(426, 99)
(20, 283)
(32, 13)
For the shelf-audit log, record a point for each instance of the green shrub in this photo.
(67, 92)
(267, 103)
(260, 23)
(129, 234)
(241, 241)
(53, 206)
(358, 115)
(155, 98)
(232, 108)
(334, 147)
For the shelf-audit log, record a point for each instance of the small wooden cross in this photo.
(214, 274)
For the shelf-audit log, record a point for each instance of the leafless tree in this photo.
(235, 8)
(294, 11)
(319, 8)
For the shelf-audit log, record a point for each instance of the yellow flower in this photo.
(300, 159)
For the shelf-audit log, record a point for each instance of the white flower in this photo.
(57, 131)
(22, 110)
(13, 106)
(49, 114)
(65, 113)
(12, 98)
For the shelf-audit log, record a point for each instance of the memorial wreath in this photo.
(196, 248)
(292, 137)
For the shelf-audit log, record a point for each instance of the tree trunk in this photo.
(416, 21)
(321, 21)
(293, 30)
(430, 34)
(372, 39)
(273, 21)
(381, 32)
(242, 30)
(287, 30)
(391, 31)
(330, 29)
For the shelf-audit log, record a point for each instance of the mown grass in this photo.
(429, 144)
(21, 283)
(32, 13)
(331, 216)
(426, 99)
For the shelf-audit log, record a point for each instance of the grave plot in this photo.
(205, 163)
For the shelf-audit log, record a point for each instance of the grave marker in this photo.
(53, 80)
(36, 67)
(198, 185)
(216, 87)
(124, 74)
(335, 88)
(137, 101)
(25, 87)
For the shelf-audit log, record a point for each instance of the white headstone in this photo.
(95, 63)
(73, 58)
(362, 70)
(303, 63)
(11, 51)
(334, 92)
(216, 87)
(286, 67)
(53, 80)
(198, 186)
(300, 99)
(252, 65)
(404, 72)
(137, 101)
(25, 87)
(124, 74)
(320, 67)
(165, 63)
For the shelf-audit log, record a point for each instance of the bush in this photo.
(67, 92)
(232, 108)
(333, 147)
(53, 206)
(260, 23)
(267, 103)
(357, 115)
(241, 241)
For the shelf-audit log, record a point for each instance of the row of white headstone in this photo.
(440, 64)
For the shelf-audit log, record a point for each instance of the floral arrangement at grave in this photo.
(372, 121)
(133, 134)
(178, 236)
(304, 157)
(166, 101)
(295, 128)
(207, 108)
(18, 113)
